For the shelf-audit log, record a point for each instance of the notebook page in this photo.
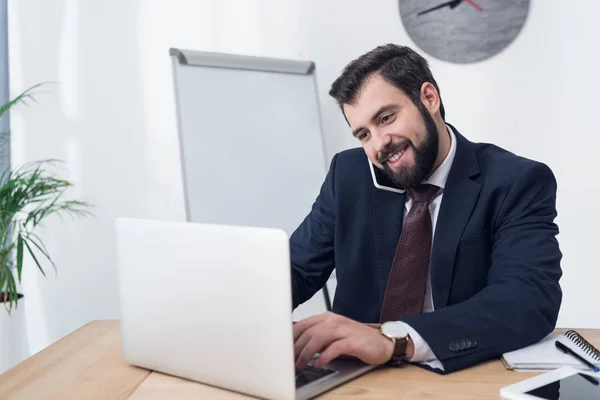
(545, 355)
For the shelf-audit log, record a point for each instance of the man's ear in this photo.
(430, 98)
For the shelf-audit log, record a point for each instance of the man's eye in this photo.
(363, 135)
(386, 118)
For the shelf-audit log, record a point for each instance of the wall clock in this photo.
(463, 31)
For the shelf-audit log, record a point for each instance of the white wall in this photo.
(112, 116)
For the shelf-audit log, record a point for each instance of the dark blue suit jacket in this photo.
(495, 262)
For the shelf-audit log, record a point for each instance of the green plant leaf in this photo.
(11, 289)
(22, 98)
(42, 249)
(4, 272)
(8, 288)
(34, 258)
(19, 255)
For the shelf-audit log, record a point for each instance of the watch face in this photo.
(463, 31)
(394, 329)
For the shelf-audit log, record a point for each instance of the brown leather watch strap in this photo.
(399, 349)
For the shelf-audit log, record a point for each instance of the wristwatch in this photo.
(396, 332)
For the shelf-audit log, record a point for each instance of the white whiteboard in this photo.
(250, 138)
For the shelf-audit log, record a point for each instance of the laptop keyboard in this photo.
(310, 374)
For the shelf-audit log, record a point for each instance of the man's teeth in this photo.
(396, 156)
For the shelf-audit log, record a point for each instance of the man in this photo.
(450, 244)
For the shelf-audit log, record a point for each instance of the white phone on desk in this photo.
(562, 384)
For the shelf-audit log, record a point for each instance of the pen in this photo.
(567, 350)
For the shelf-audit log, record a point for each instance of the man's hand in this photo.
(333, 335)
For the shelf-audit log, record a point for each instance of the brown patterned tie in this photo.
(407, 283)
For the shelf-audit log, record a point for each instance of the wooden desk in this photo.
(89, 364)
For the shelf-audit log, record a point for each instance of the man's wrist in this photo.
(410, 345)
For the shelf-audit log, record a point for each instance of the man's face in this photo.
(398, 136)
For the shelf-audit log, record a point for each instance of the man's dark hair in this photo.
(399, 65)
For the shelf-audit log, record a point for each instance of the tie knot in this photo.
(423, 193)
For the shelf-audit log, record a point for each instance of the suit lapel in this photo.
(389, 214)
(459, 198)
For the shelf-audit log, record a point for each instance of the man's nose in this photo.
(381, 141)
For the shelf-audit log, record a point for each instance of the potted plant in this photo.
(29, 195)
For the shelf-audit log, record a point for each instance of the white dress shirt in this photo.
(423, 353)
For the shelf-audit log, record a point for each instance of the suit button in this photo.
(463, 344)
(473, 343)
(454, 347)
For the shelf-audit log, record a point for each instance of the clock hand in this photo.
(452, 4)
(471, 2)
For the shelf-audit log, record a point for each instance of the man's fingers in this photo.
(334, 350)
(301, 342)
(301, 326)
(313, 346)
(324, 332)
(318, 339)
(327, 324)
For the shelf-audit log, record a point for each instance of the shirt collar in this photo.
(440, 175)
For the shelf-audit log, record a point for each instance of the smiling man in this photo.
(445, 250)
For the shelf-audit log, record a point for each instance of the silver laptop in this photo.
(213, 304)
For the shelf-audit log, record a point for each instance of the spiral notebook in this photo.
(545, 356)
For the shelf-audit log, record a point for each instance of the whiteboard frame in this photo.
(234, 61)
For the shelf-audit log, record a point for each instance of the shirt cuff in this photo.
(423, 353)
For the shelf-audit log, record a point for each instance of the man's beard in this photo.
(425, 156)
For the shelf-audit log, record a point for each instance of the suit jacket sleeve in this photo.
(520, 303)
(311, 245)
